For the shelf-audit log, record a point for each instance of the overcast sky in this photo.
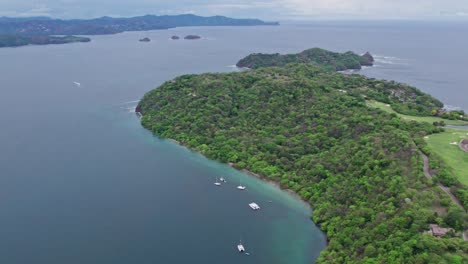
(271, 10)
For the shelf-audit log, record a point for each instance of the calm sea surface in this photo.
(82, 182)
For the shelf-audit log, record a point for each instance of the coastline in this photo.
(258, 176)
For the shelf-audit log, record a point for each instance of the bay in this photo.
(82, 182)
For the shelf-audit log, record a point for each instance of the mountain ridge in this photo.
(110, 25)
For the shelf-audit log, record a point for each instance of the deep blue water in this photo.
(82, 182)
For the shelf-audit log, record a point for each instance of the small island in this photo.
(340, 61)
(145, 40)
(17, 41)
(192, 37)
(175, 37)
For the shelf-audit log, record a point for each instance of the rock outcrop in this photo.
(369, 59)
(192, 37)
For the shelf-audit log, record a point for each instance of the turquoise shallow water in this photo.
(82, 182)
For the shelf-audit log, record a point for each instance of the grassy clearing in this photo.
(453, 156)
(429, 119)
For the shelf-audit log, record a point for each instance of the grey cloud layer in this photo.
(272, 9)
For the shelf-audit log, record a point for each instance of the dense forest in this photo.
(16, 41)
(338, 61)
(407, 100)
(309, 128)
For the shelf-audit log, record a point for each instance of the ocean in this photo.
(82, 182)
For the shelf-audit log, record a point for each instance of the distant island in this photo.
(357, 149)
(109, 25)
(145, 40)
(175, 37)
(17, 41)
(340, 61)
(192, 37)
(43, 30)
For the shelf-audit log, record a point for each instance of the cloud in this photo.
(455, 14)
(266, 9)
(371, 8)
(35, 12)
(241, 6)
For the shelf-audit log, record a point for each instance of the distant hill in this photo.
(340, 61)
(109, 25)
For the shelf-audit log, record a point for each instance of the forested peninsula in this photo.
(314, 131)
(17, 41)
(339, 61)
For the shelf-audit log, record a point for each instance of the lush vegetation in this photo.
(109, 25)
(16, 41)
(451, 115)
(310, 129)
(402, 98)
(429, 119)
(338, 61)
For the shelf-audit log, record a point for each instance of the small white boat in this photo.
(222, 179)
(77, 84)
(217, 183)
(240, 247)
(241, 187)
(254, 206)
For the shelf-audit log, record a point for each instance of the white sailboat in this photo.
(241, 187)
(77, 84)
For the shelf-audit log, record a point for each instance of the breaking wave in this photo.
(390, 60)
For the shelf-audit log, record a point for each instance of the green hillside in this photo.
(309, 128)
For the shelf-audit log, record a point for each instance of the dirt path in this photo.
(445, 189)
